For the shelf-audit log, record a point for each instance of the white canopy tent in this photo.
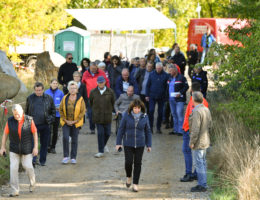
(122, 19)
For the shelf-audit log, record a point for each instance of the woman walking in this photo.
(135, 132)
(72, 110)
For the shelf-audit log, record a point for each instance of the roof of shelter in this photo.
(122, 19)
(76, 30)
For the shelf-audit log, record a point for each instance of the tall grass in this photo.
(235, 155)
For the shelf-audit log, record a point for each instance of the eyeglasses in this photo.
(71, 58)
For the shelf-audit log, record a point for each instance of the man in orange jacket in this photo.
(189, 176)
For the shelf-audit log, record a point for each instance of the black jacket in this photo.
(194, 57)
(65, 73)
(21, 146)
(202, 79)
(181, 85)
(180, 60)
(48, 106)
(113, 74)
(140, 78)
(83, 92)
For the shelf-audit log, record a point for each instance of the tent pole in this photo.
(110, 45)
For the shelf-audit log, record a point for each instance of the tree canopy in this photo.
(23, 17)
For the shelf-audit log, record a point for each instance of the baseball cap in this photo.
(101, 79)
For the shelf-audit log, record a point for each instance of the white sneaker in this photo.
(99, 155)
(69, 139)
(106, 149)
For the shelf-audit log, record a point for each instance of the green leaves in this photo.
(23, 17)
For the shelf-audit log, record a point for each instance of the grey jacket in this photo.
(123, 102)
(200, 123)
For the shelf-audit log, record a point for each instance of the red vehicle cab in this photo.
(198, 27)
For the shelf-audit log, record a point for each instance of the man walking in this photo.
(178, 87)
(65, 73)
(21, 130)
(41, 107)
(200, 123)
(156, 93)
(102, 101)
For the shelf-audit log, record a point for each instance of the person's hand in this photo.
(178, 95)
(149, 149)
(118, 112)
(146, 98)
(35, 151)
(192, 146)
(118, 146)
(2, 151)
(69, 123)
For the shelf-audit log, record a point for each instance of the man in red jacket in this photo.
(189, 176)
(89, 78)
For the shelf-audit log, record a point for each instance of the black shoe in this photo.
(13, 195)
(179, 134)
(159, 131)
(172, 133)
(167, 126)
(92, 132)
(53, 151)
(194, 177)
(43, 164)
(186, 178)
(198, 188)
(128, 185)
(49, 150)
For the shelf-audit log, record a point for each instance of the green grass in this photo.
(220, 191)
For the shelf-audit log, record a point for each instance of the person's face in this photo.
(54, 85)
(172, 72)
(103, 68)
(142, 63)
(69, 59)
(85, 63)
(73, 89)
(108, 58)
(149, 67)
(197, 70)
(93, 68)
(177, 49)
(101, 85)
(135, 62)
(76, 78)
(38, 91)
(115, 61)
(17, 115)
(136, 110)
(152, 57)
(208, 31)
(125, 76)
(159, 69)
(130, 91)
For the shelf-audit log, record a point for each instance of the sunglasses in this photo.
(71, 58)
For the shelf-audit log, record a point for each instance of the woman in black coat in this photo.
(136, 133)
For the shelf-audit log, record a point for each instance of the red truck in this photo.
(198, 27)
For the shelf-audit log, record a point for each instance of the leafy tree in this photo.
(239, 64)
(23, 17)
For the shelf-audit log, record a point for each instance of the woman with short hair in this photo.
(136, 133)
(72, 110)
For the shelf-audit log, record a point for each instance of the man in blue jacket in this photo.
(156, 88)
(123, 82)
(206, 42)
(178, 87)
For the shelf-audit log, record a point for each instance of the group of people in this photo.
(131, 91)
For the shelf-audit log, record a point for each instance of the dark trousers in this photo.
(44, 133)
(104, 131)
(133, 156)
(167, 113)
(146, 103)
(89, 113)
(54, 133)
(152, 103)
(65, 90)
(73, 132)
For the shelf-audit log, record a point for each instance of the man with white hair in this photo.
(21, 131)
(156, 88)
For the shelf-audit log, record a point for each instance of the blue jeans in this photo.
(152, 103)
(199, 158)
(178, 115)
(204, 53)
(44, 133)
(73, 132)
(89, 113)
(104, 131)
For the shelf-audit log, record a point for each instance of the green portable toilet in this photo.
(73, 40)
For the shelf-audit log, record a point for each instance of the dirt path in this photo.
(104, 178)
